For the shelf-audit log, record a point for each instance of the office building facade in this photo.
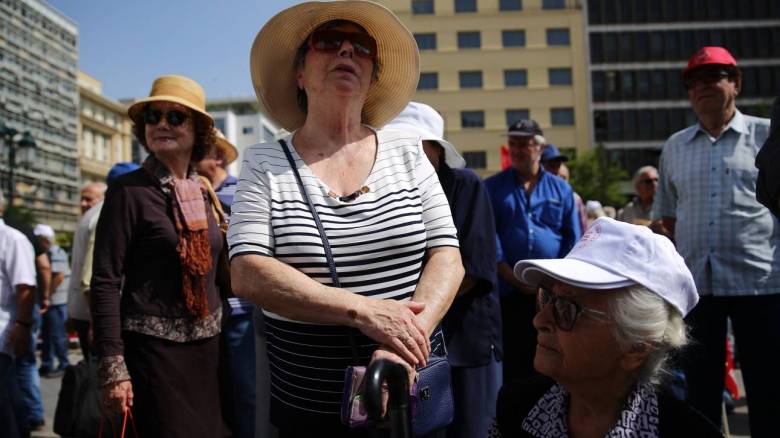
(104, 134)
(638, 49)
(244, 123)
(38, 93)
(488, 63)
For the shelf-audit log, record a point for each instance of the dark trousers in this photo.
(8, 426)
(82, 329)
(517, 314)
(239, 337)
(756, 324)
(475, 390)
(55, 339)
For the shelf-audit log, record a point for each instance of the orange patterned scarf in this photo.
(194, 249)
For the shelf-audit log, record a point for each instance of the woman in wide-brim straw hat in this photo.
(158, 242)
(333, 73)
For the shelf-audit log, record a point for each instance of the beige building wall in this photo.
(104, 131)
(494, 98)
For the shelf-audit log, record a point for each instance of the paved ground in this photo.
(50, 388)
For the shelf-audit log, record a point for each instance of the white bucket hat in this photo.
(614, 254)
(420, 119)
(44, 230)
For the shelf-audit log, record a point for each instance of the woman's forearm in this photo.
(438, 285)
(285, 291)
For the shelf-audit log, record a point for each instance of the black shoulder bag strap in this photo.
(334, 276)
(326, 245)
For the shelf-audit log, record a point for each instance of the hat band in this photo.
(193, 98)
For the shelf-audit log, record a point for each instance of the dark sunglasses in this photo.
(648, 181)
(173, 117)
(565, 310)
(706, 76)
(330, 40)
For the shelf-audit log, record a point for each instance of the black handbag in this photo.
(431, 395)
(79, 405)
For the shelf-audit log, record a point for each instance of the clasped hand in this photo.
(395, 325)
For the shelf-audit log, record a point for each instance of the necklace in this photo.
(352, 196)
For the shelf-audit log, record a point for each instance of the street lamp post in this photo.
(12, 141)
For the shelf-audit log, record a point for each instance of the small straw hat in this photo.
(177, 89)
(230, 151)
(274, 49)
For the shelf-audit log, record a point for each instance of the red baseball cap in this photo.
(710, 55)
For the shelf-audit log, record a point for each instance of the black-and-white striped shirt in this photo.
(378, 241)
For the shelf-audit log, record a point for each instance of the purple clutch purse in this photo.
(353, 409)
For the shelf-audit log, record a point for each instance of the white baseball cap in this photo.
(44, 230)
(420, 119)
(614, 254)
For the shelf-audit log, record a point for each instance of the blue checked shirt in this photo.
(728, 240)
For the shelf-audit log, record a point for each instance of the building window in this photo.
(248, 130)
(465, 5)
(558, 37)
(562, 116)
(513, 115)
(425, 41)
(428, 81)
(559, 76)
(510, 5)
(470, 79)
(513, 38)
(475, 159)
(422, 7)
(469, 40)
(220, 124)
(515, 78)
(472, 119)
(553, 4)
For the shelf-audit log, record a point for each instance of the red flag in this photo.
(505, 160)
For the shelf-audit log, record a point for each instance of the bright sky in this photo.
(126, 44)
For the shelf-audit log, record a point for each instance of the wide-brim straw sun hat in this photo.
(227, 148)
(177, 89)
(273, 53)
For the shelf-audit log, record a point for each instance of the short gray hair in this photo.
(641, 171)
(642, 318)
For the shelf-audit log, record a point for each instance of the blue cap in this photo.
(120, 169)
(551, 153)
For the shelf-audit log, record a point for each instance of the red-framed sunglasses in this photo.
(330, 40)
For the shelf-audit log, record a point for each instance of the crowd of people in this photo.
(216, 305)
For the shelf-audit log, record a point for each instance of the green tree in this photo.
(595, 177)
(20, 214)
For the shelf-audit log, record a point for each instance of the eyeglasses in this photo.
(706, 76)
(173, 117)
(330, 40)
(565, 310)
(648, 181)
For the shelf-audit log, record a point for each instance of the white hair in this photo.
(645, 320)
(641, 171)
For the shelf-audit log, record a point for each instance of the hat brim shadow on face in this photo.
(570, 271)
(273, 54)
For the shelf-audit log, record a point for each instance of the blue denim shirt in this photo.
(728, 240)
(541, 225)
